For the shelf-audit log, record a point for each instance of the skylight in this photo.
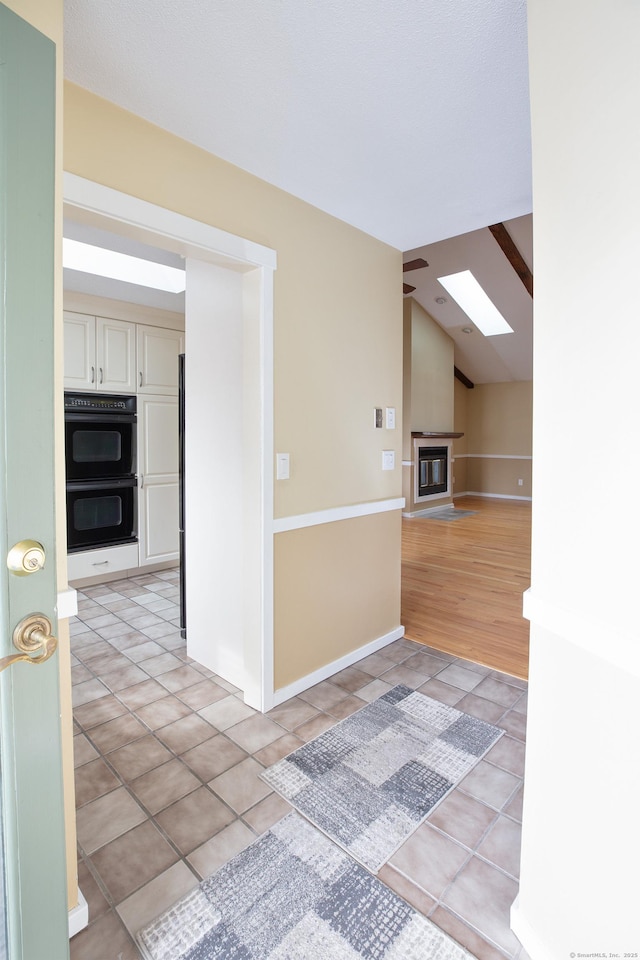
(469, 295)
(120, 266)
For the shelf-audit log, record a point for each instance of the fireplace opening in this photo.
(432, 470)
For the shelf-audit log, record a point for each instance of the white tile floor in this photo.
(167, 773)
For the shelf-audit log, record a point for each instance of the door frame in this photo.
(98, 205)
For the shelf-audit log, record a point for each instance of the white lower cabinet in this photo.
(92, 563)
(158, 479)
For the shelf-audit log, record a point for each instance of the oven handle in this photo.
(117, 483)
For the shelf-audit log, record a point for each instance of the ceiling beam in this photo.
(407, 288)
(513, 255)
(459, 375)
(414, 264)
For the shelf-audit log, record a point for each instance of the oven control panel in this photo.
(99, 403)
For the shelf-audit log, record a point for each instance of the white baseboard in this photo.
(526, 934)
(491, 496)
(323, 673)
(79, 916)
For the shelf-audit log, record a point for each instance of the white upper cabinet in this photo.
(79, 352)
(99, 354)
(116, 356)
(158, 351)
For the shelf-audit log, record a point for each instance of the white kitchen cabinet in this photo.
(93, 563)
(158, 479)
(79, 352)
(99, 354)
(158, 351)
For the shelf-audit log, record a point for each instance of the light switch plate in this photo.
(391, 418)
(388, 460)
(282, 466)
(377, 417)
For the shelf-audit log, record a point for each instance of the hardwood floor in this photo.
(463, 580)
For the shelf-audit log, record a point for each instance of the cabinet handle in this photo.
(142, 481)
(93, 374)
(141, 378)
(101, 563)
(101, 377)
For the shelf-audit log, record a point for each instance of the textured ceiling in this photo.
(406, 118)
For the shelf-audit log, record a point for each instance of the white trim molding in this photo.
(492, 496)
(254, 299)
(202, 238)
(585, 632)
(492, 456)
(284, 524)
(78, 916)
(329, 669)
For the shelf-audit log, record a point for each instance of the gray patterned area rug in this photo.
(293, 895)
(370, 780)
(449, 514)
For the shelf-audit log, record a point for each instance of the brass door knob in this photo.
(26, 557)
(32, 636)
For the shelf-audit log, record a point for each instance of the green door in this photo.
(33, 913)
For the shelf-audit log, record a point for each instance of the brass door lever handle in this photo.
(32, 636)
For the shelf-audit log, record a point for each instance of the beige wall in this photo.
(499, 418)
(498, 477)
(427, 386)
(338, 354)
(120, 310)
(428, 374)
(338, 346)
(461, 400)
(316, 567)
(496, 451)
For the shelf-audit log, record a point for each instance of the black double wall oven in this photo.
(101, 482)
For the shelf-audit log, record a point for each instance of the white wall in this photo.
(582, 793)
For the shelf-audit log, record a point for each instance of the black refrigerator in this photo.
(181, 429)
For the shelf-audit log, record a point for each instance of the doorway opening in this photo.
(229, 429)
